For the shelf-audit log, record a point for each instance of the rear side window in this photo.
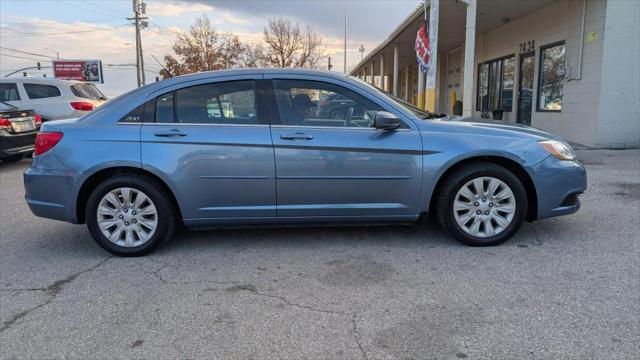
(88, 91)
(135, 116)
(9, 92)
(40, 91)
(232, 102)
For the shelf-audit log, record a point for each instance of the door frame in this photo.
(521, 58)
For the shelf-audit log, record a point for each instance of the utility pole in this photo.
(345, 40)
(139, 9)
(361, 50)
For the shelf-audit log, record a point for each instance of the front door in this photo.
(331, 162)
(526, 71)
(214, 143)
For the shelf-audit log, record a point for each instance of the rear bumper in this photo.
(558, 185)
(50, 193)
(11, 145)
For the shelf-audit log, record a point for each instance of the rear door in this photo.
(46, 100)
(211, 140)
(341, 166)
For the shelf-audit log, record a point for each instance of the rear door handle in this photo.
(296, 136)
(170, 133)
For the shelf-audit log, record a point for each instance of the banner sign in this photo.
(423, 50)
(81, 70)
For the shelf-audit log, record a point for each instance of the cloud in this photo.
(81, 40)
(165, 8)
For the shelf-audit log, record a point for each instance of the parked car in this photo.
(145, 162)
(18, 130)
(53, 99)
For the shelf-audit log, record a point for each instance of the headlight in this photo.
(558, 149)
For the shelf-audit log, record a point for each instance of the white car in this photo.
(53, 99)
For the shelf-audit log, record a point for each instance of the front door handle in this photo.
(296, 136)
(170, 133)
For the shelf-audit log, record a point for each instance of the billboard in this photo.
(82, 70)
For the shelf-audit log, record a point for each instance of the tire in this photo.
(498, 220)
(131, 239)
(13, 158)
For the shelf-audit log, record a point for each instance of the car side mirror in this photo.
(386, 121)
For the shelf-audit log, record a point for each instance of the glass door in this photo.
(526, 70)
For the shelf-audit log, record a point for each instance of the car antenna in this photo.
(162, 66)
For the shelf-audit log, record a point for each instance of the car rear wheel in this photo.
(128, 215)
(482, 204)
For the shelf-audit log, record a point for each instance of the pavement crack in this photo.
(354, 326)
(52, 292)
(255, 291)
(356, 336)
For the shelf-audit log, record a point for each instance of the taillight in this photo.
(5, 124)
(37, 119)
(45, 141)
(81, 105)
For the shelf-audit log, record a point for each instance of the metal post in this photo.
(373, 76)
(469, 54)
(396, 70)
(407, 79)
(382, 72)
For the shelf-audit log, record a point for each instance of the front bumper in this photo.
(50, 193)
(558, 185)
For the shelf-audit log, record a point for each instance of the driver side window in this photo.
(315, 103)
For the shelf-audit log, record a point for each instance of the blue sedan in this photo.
(255, 147)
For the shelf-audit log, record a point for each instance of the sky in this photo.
(98, 29)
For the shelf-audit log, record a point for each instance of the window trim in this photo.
(500, 80)
(150, 110)
(24, 85)
(274, 109)
(540, 63)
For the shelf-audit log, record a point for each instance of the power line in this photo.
(26, 34)
(28, 53)
(92, 10)
(21, 57)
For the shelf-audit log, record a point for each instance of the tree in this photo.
(287, 46)
(252, 56)
(203, 49)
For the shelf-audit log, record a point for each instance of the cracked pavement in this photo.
(567, 287)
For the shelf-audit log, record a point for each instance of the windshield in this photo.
(88, 91)
(4, 106)
(423, 114)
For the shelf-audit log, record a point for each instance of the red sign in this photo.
(423, 50)
(82, 70)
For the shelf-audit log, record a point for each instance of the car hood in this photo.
(481, 126)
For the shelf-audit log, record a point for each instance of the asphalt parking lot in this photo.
(565, 288)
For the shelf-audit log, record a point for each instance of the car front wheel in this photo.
(482, 204)
(128, 215)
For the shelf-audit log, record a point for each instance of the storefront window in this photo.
(551, 77)
(483, 87)
(506, 94)
(495, 85)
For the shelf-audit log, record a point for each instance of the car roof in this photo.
(39, 80)
(253, 71)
